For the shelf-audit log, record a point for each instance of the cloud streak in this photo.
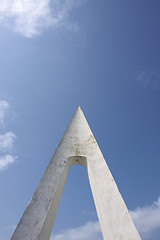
(6, 161)
(32, 17)
(147, 219)
(6, 140)
(89, 231)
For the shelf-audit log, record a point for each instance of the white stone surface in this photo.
(78, 146)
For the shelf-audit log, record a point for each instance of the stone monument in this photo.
(77, 146)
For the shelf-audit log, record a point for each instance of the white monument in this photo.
(77, 146)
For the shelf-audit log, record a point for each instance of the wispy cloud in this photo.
(149, 78)
(6, 161)
(31, 17)
(3, 109)
(6, 140)
(89, 231)
(147, 219)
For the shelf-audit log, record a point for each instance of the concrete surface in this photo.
(78, 146)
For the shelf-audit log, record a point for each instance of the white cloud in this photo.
(31, 17)
(147, 219)
(89, 231)
(6, 141)
(6, 161)
(3, 108)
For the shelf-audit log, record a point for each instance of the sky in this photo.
(105, 57)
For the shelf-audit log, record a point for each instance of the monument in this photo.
(77, 146)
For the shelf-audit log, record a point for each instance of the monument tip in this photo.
(78, 108)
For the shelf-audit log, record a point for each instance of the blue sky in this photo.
(105, 56)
